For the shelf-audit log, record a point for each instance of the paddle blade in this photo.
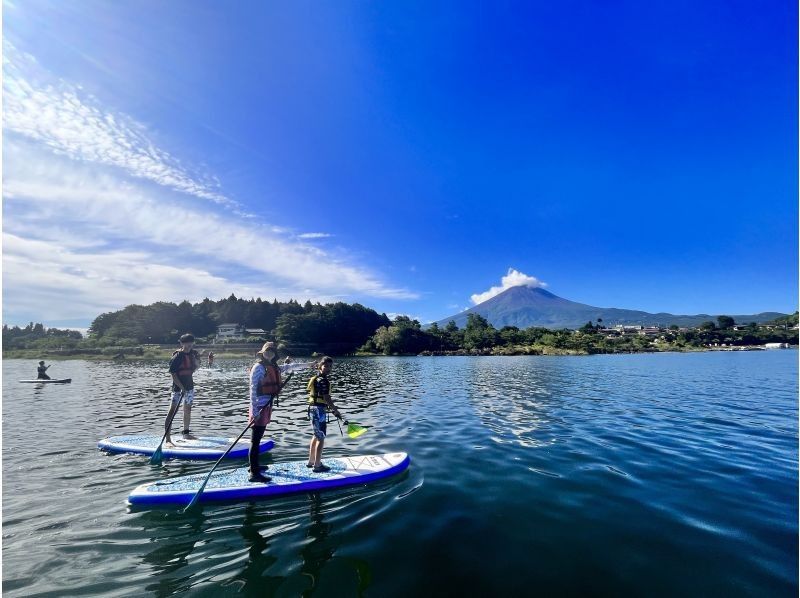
(354, 430)
(156, 457)
(192, 503)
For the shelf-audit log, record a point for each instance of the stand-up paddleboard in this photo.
(287, 478)
(204, 447)
(51, 381)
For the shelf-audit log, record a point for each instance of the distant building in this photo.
(650, 331)
(777, 345)
(625, 329)
(609, 332)
(227, 332)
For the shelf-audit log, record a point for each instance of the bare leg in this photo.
(312, 447)
(187, 419)
(173, 408)
(318, 452)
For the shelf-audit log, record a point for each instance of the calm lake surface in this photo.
(662, 474)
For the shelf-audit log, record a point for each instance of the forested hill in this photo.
(350, 325)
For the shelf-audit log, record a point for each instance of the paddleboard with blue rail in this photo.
(287, 478)
(50, 381)
(204, 447)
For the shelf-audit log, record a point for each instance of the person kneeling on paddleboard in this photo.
(319, 389)
(41, 371)
(265, 384)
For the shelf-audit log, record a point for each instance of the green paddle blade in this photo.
(354, 430)
(156, 457)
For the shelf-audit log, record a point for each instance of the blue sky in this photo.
(407, 155)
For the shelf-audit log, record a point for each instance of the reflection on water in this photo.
(641, 474)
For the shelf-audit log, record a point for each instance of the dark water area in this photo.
(660, 474)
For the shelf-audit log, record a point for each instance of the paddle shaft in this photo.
(156, 457)
(230, 448)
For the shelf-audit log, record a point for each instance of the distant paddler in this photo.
(42, 371)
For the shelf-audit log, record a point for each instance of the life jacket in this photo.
(271, 382)
(314, 397)
(187, 364)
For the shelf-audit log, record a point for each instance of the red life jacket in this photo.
(271, 382)
(187, 364)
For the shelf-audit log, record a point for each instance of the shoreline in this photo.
(149, 354)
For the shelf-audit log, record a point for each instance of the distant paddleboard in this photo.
(204, 447)
(287, 478)
(51, 381)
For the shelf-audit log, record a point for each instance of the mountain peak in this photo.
(525, 306)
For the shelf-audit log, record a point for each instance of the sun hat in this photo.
(268, 346)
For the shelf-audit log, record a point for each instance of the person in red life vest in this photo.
(265, 384)
(182, 365)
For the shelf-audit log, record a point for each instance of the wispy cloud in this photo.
(38, 187)
(513, 278)
(313, 236)
(58, 114)
(97, 217)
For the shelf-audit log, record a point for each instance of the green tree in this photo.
(479, 333)
(725, 322)
(454, 335)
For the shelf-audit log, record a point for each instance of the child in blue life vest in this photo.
(265, 384)
(181, 367)
(319, 401)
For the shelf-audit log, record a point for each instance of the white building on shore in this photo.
(226, 332)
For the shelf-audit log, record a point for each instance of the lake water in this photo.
(660, 474)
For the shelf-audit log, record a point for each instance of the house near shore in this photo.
(228, 332)
(650, 331)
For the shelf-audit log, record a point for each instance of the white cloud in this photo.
(66, 120)
(85, 229)
(513, 278)
(95, 205)
(71, 283)
(313, 236)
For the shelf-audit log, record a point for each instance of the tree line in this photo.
(406, 336)
(342, 328)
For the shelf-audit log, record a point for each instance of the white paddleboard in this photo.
(287, 478)
(204, 447)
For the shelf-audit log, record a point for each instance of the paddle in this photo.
(353, 429)
(196, 497)
(156, 459)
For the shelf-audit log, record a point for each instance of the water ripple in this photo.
(666, 473)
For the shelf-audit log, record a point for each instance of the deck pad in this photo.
(287, 478)
(204, 447)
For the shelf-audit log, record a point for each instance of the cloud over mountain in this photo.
(513, 278)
